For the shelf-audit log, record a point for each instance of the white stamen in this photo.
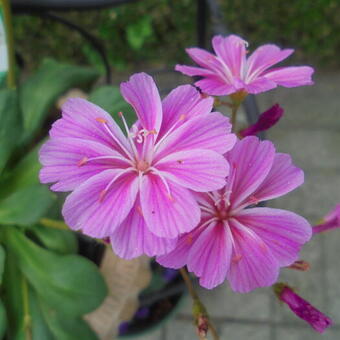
(154, 170)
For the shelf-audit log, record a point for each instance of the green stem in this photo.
(11, 82)
(198, 305)
(27, 316)
(234, 110)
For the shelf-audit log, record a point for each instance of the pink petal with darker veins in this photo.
(63, 160)
(132, 238)
(194, 71)
(209, 131)
(214, 86)
(96, 213)
(253, 264)
(291, 76)
(251, 160)
(210, 254)
(84, 120)
(181, 104)
(198, 170)
(282, 178)
(283, 232)
(170, 211)
(259, 85)
(142, 94)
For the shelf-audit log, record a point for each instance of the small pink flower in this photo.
(330, 221)
(136, 189)
(239, 242)
(266, 120)
(302, 308)
(230, 71)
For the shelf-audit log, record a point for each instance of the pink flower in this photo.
(239, 242)
(137, 189)
(229, 71)
(302, 308)
(266, 120)
(330, 221)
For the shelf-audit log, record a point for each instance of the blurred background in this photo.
(152, 35)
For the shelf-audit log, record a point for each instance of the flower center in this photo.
(222, 214)
(142, 165)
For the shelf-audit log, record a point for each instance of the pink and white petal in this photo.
(85, 120)
(206, 60)
(291, 76)
(198, 170)
(282, 178)
(168, 212)
(252, 265)
(142, 94)
(133, 238)
(209, 131)
(62, 161)
(209, 256)
(283, 231)
(264, 57)
(192, 71)
(98, 215)
(232, 50)
(251, 161)
(260, 85)
(215, 86)
(181, 104)
(178, 257)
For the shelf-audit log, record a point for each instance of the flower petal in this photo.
(252, 264)
(209, 257)
(96, 215)
(194, 71)
(178, 257)
(232, 50)
(283, 231)
(84, 120)
(282, 178)
(259, 85)
(264, 57)
(182, 103)
(206, 131)
(133, 238)
(214, 86)
(251, 160)
(291, 76)
(168, 213)
(62, 161)
(199, 170)
(142, 94)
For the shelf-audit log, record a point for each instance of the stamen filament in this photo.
(132, 144)
(158, 173)
(85, 160)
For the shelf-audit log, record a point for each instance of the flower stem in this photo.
(234, 110)
(27, 316)
(199, 310)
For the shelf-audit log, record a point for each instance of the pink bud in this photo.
(330, 221)
(266, 120)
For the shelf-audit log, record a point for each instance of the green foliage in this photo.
(41, 90)
(138, 32)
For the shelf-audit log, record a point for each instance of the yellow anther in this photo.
(182, 117)
(82, 161)
(152, 132)
(189, 239)
(139, 209)
(101, 120)
(102, 196)
(237, 258)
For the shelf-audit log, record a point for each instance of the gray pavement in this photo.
(310, 132)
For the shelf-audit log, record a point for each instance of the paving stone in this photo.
(153, 335)
(287, 333)
(315, 197)
(180, 330)
(221, 302)
(322, 151)
(245, 332)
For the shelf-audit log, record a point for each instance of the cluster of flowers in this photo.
(180, 185)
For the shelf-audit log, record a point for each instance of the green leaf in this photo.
(40, 91)
(3, 320)
(60, 241)
(10, 128)
(109, 98)
(26, 206)
(138, 32)
(67, 327)
(2, 262)
(70, 284)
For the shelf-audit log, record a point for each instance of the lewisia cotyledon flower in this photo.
(137, 189)
(235, 240)
(302, 308)
(230, 71)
